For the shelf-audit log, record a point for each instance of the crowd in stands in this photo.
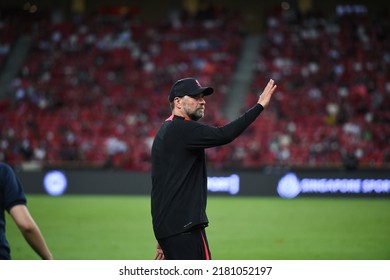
(333, 100)
(95, 90)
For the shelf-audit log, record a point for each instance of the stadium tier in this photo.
(93, 89)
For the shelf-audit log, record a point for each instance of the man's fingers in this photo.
(270, 86)
(265, 96)
(159, 255)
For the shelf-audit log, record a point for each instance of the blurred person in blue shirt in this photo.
(13, 200)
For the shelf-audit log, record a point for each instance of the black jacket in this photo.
(179, 175)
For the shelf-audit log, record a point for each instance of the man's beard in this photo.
(196, 115)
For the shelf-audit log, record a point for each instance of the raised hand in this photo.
(267, 93)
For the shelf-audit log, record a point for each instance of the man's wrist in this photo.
(262, 106)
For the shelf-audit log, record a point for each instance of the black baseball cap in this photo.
(188, 86)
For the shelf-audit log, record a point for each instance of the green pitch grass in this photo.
(119, 228)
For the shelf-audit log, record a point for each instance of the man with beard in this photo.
(179, 175)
